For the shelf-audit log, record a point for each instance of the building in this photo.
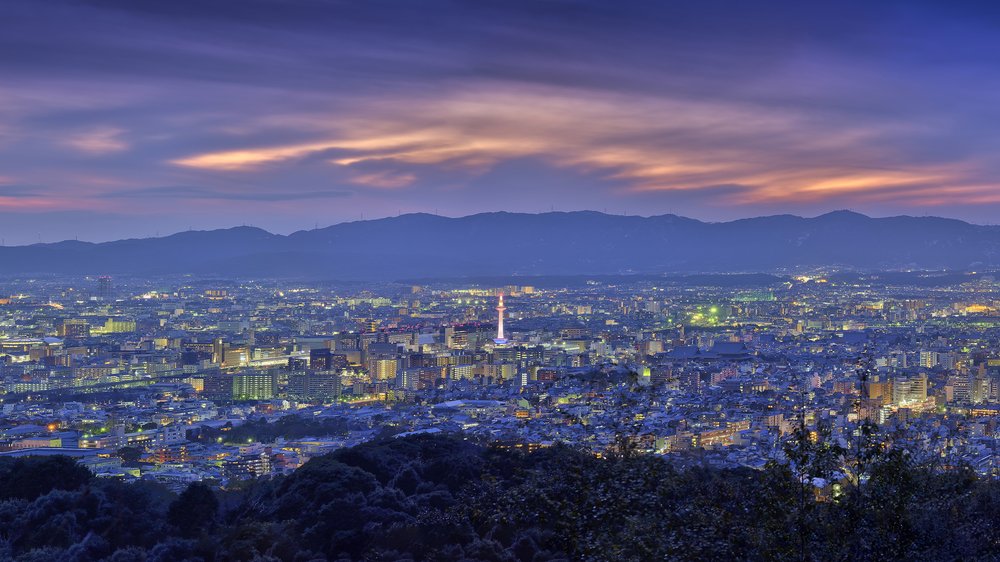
(420, 378)
(906, 390)
(105, 290)
(74, 329)
(385, 369)
(929, 359)
(254, 386)
(315, 386)
(320, 359)
(117, 326)
(162, 436)
(217, 387)
(248, 467)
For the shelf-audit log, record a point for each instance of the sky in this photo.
(131, 119)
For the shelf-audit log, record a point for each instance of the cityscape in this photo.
(499, 281)
(170, 379)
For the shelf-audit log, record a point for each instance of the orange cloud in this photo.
(385, 180)
(645, 143)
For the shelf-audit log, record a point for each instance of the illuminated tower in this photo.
(500, 308)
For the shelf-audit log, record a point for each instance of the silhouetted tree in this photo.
(30, 477)
(194, 511)
(439, 498)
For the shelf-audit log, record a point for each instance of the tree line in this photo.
(443, 498)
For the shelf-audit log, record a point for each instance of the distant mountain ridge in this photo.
(556, 243)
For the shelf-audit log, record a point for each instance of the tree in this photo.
(31, 477)
(194, 511)
(129, 455)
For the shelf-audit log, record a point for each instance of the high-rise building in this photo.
(382, 360)
(104, 287)
(254, 386)
(906, 390)
(217, 387)
(980, 387)
(218, 351)
(877, 389)
(320, 359)
(315, 386)
(385, 369)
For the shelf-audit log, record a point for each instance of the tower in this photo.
(500, 339)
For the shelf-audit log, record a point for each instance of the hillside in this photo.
(444, 499)
(574, 243)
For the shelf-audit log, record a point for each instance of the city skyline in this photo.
(123, 121)
(784, 396)
(499, 280)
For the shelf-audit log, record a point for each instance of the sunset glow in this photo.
(270, 114)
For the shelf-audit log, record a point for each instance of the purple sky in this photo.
(121, 118)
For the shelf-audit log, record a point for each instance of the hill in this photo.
(444, 499)
(572, 243)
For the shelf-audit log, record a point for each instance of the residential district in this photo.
(188, 379)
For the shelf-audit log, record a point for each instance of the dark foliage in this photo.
(30, 477)
(441, 498)
(194, 511)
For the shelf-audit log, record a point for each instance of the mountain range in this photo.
(557, 243)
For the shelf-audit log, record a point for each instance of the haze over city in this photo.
(122, 119)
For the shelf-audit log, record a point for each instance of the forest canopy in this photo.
(443, 498)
